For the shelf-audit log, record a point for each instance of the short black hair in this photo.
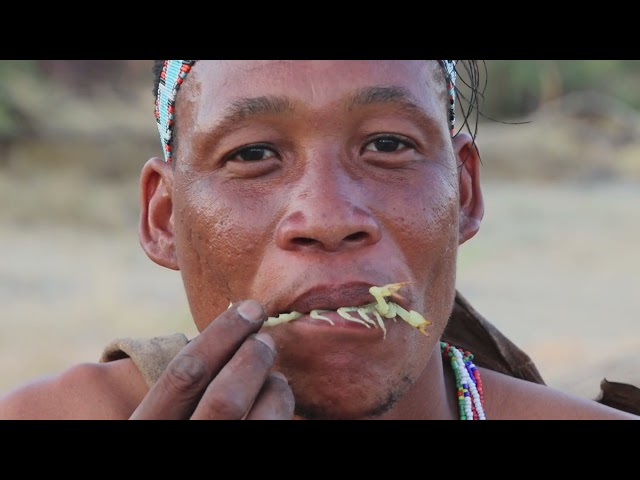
(157, 70)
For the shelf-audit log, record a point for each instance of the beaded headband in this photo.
(175, 71)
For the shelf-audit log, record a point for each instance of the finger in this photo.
(230, 395)
(178, 390)
(275, 401)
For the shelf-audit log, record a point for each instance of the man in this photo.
(291, 189)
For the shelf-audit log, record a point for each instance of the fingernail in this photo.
(267, 340)
(280, 375)
(251, 311)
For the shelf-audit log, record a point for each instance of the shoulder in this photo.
(85, 391)
(510, 398)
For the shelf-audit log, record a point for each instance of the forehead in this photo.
(213, 85)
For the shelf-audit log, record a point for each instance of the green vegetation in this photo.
(517, 87)
(12, 121)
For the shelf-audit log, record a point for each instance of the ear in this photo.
(155, 229)
(471, 201)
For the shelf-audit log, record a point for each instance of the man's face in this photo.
(303, 183)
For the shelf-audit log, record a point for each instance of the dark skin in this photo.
(297, 186)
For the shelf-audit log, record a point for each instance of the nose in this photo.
(329, 216)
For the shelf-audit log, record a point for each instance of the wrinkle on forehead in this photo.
(240, 72)
(201, 102)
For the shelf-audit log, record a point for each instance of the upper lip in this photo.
(332, 297)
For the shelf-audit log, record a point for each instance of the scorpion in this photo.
(378, 309)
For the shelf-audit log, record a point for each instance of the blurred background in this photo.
(554, 266)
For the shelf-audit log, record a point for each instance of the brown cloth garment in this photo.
(470, 331)
(467, 329)
(150, 354)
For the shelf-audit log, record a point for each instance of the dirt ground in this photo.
(555, 267)
(555, 264)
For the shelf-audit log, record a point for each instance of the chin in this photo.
(345, 375)
(342, 411)
(340, 397)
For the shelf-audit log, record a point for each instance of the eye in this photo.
(252, 153)
(388, 144)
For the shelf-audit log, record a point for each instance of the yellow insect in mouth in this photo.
(378, 309)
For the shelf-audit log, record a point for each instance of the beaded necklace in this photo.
(468, 382)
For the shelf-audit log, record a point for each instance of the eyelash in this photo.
(396, 138)
(240, 151)
(266, 148)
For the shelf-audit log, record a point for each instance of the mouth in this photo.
(366, 305)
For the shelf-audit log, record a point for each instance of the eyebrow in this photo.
(268, 104)
(381, 94)
(244, 108)
(399, 97)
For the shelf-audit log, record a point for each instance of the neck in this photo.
(432, 396)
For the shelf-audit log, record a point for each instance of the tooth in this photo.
(342, 311)
(316, 314)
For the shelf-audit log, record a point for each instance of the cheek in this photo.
(427, 232)
(439, 257)
(439, 254)
(424, 214)
(218, 244)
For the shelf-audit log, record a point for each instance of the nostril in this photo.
(354, 237)
(303, 241)
(308, 241)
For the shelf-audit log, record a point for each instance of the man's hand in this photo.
(223, 373)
